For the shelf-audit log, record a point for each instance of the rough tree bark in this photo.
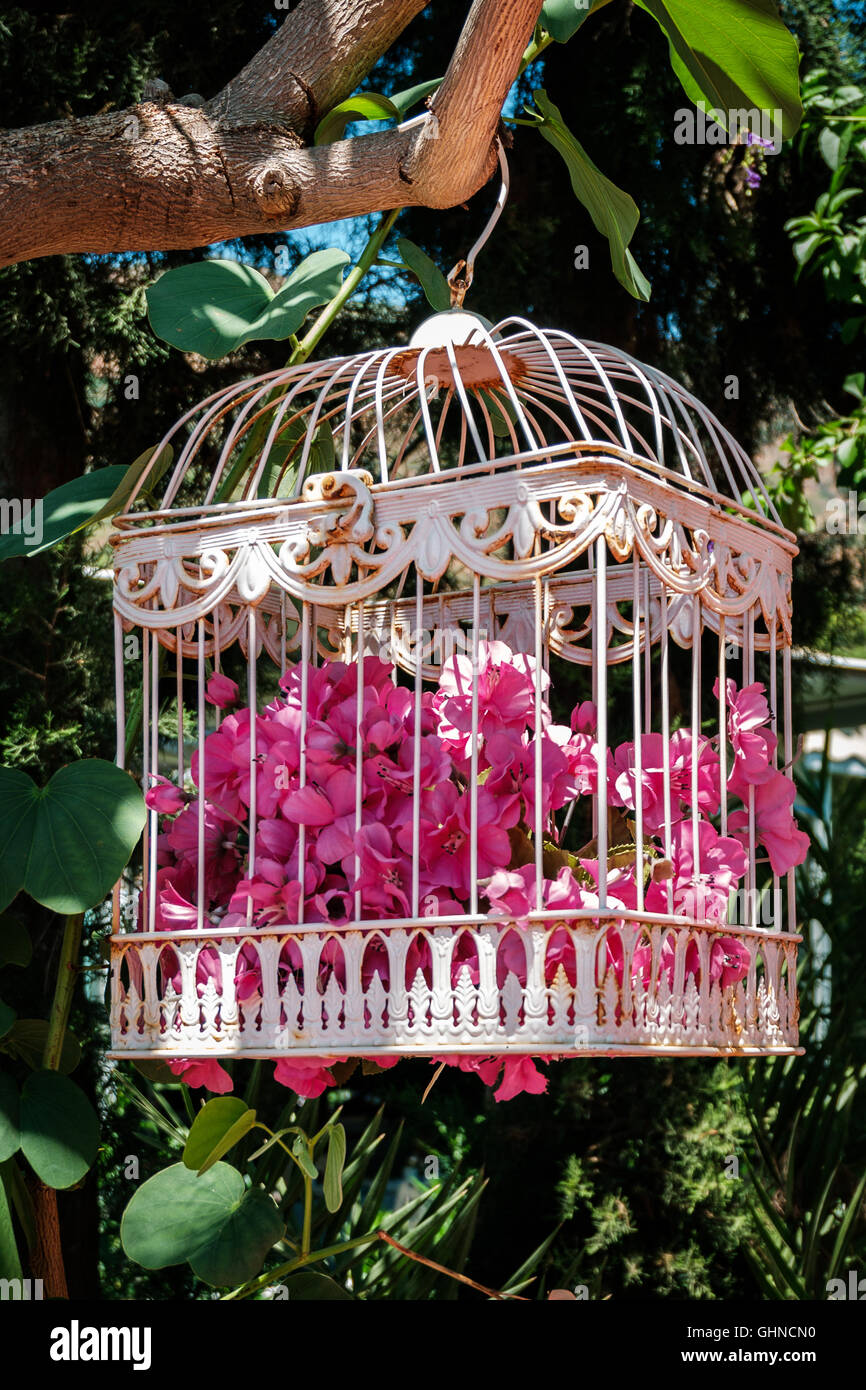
(165, 176)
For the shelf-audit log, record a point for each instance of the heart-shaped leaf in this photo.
(59, 1128)
(563, 18)
(613, 212)
(10, 1128)
(431, 279)
(213, 307)
(66, 843)
(311, 1285)
(16, 947)
(736, 55)
(238, 1250)
(216, 1128)
(365, 106)
(222, 1229)
(27, 1038)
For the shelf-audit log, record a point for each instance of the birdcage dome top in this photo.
(463, 397)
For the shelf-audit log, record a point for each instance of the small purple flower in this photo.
(752, 139)
(753, 178)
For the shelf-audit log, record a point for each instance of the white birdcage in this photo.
(503, 517)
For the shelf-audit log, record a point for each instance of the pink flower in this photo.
(487, 1068)
(624, 791)
(754, 745)
(221, 691)
(506, 694)
(584, 718)
(205, 1072)
(512, 773)
(700, 889)
(775, 826)
(306, 1076)
(729, 960)
(227, 764)
(164, 796)
(445, 838)
(385, 878)
(518, 1075)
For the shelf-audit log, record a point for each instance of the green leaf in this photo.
(828, 143)
(430, 277)
(16, 947)
(404, 101)
(333, 1183)
(613, 212)
(302, 1154)
(10, 1132)
(118, 499)
(238, 1251)
(498, 408)
(217, 1127)
(19, 1193)
(59, 1128)
(66, 843)
(563, 18)
(365, 106)
(26, 1041)
(311, 1285)
(10, 1262)
(64, 511)
(213, 1221)
(7, 1018)
(854, 384)
(215, 306)
(278, 480)
(733, 54)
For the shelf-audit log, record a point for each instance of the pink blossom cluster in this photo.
(334, 835)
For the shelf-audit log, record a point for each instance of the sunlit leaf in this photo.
(213, 307)
(613, 212)
(365, 106)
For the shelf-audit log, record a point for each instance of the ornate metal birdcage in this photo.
(466, 717)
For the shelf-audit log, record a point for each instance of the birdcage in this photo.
(464, 716)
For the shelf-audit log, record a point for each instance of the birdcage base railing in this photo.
(550, 988)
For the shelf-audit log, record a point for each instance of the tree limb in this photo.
(160, 177)
(316, 59)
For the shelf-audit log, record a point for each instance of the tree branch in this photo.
(160, 177)
(316, 59)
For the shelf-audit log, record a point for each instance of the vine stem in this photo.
(64, 988)
(347, 289)
(313, 1257)
(264, 1280)
(303, 349)
(47, 1258)
(306, 1236)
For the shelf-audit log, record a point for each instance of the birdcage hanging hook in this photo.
(459, 283)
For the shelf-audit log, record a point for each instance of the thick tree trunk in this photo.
(168, 176)
(46, 1259)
